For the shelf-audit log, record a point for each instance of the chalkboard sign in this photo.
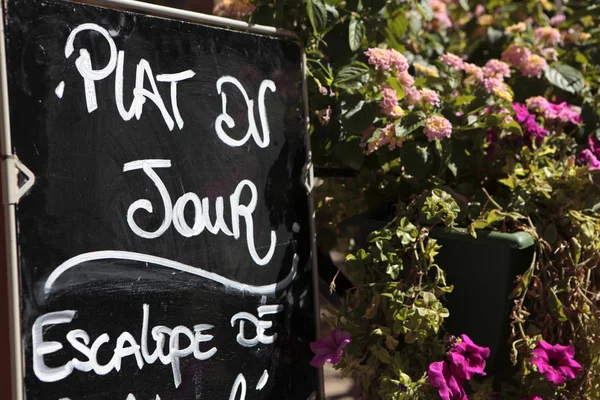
(164, 244)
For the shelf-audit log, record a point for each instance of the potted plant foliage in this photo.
(457, 123)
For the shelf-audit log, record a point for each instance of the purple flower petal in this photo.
(555, 362)
(329, 348)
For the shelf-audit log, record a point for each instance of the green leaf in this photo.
(511, 181)
(403, 130)
(494, 216)
(394, 84)
(463, 100)
(471, 120)
(351, 154)
(565, 77)
(357, 115)
(425, 9)
(334, 12)
(464, 4)
(494, 34)
(428, 298)
(575, 250)
(556, 306)
(415, 24)
(581, 59)
(356, 32)
(371, 311)
(352, 76)
(480, 224)
(395, 29)
(317, 14)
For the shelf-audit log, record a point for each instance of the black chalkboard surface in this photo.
(164, 250)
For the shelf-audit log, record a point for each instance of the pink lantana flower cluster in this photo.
(386, 136)
(490, 76)
(389, 103)
(465, 360)
(437, 127)
(440, 18)
(386, 59)
(531, 62)
(391, 61)
(531, 65)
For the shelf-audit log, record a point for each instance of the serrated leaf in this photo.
(565, 77)
(317, 15)
(402, 130)
(356, 31)
(352, 76)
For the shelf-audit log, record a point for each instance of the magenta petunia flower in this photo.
(449, 386)
(562, 112)
(594, 145)
(329, 348)
(467, 359)
(533, 129)
(528, 122)
(556, 362)
(566, 113)
(521, 112)
(533, 398)
(588, 158)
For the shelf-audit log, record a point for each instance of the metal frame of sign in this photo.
(10, 167)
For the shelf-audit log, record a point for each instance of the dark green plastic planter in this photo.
(483, 272)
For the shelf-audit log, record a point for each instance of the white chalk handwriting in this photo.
(202, 219)
(126, 345)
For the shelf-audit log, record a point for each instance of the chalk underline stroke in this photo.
(165, 262)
